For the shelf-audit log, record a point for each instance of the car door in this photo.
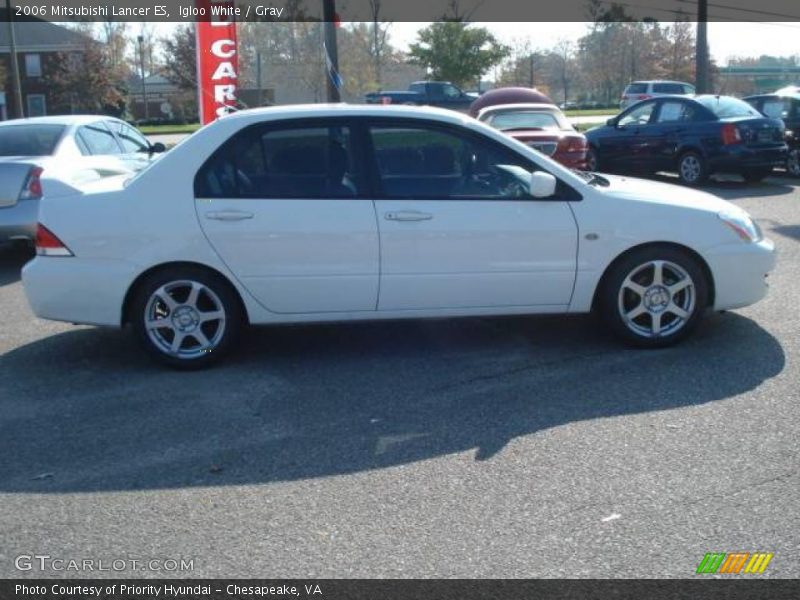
(671, 125)
(458, 228)
(284, 207)
(624, 146)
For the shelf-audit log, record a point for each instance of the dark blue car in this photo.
(694, 136)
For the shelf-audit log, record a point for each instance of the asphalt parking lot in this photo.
(509, 447)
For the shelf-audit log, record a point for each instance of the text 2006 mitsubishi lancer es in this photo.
(341, 213)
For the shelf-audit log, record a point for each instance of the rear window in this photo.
(668, 88)
(29, 140)
(525, 120)
(636, 88)
(725, 107)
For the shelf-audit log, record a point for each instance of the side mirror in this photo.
(542, 185)
(612, 122)
(157, 148)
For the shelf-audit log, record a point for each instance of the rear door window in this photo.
(286, 162)
(676, 112)
(636, 88)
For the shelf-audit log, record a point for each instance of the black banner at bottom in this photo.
(399, 589)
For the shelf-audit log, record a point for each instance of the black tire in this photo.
(616, 299)
(756, 175)
(693, 168)
(215, 298)
(793, 163)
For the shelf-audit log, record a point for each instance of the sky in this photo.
(726, 40)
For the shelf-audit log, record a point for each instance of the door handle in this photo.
(229, 215)
(408, 215)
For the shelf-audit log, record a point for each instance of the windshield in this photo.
(725, 107)
(525, 120)
(29, 140)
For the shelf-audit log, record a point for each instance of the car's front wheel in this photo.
(692, 169)
(793, 163)
(654, 297)
(186, 318)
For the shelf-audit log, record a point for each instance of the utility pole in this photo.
(12, 42)
(258, 78)
(532, 79)
(331, 51)
(144, 83)
(701, 51)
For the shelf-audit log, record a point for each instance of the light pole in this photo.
(701, 52)
(12, 43)
(331, 51)
(144, 84)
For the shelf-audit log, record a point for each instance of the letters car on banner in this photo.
(217, 59)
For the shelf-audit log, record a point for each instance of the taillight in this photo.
(643, 97)
(32, 188)
(47, 244)
(730, 134)
(573, 144)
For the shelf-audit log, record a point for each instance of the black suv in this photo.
(787, 108)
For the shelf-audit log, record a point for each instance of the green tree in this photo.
(455, 51)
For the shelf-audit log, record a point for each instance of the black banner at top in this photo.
(405, 10)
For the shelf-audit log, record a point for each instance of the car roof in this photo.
(520, 106)
(297, 111)
(65, 120)
(659, 81)
(794, 96)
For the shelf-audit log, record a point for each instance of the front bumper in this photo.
(18, 222)
(740, 272)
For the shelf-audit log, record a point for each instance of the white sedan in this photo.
(340, 213)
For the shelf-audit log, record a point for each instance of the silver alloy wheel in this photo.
(185, 319)
(657, 299)
(793, 163)
(690, 168)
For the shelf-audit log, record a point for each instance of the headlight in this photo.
(789, 133)
(742, 225)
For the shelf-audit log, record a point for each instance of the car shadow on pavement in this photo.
(12, 259)
(84, 411)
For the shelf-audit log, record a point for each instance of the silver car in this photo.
(643, 90)
(62, 148)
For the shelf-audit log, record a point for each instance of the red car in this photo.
(541, 126)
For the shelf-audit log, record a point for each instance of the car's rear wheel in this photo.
(793, 163)
(692, 169)
(654, 297)
(186, 318)
(756, 175)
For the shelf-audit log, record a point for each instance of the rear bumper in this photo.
(76, 290)
(740, 272)
(18, 222)
(739, 157)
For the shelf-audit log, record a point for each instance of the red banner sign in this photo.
(217, 59)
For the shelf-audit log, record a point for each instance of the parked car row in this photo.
(695, 136)
(71, 148)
